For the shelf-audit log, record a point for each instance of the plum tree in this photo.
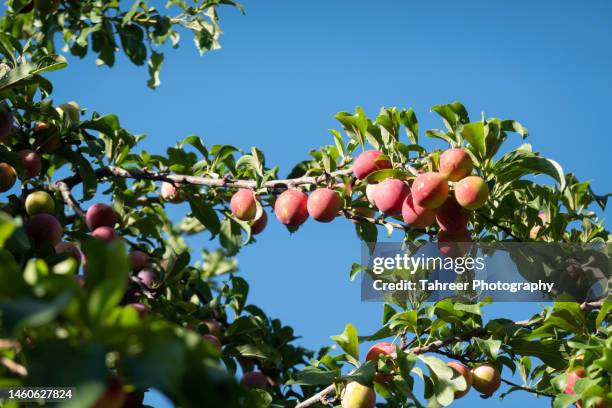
(8, 176)
(171, 192)
(39, 202)
(254, 379)
(451, 216)
(138, 260)
(464, 371)
(44, 229)
(53, 310)
(471, 192)
(486, 379)
(244, 204)
(291, 208)
(416, 216)
(32, 163)
(369, 162)
(323, 204)
(105, 234)
(455, 164)
(389, 196)
(356, 395)
(572, 377)
(429, 190)
(100, 215)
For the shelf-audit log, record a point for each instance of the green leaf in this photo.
(261, 351)
(29, 312)
(348, 341)
(453, 114)
(205, 213)
(489, 346)
(474, 134)
(314, 376)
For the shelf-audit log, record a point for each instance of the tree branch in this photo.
(324, 394)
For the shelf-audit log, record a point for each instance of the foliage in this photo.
(93, 331)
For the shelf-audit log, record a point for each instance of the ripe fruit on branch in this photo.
(370, 188)
(8, 176)
(171, 192)
(71, 249)
(454, 244)
(32, 163)
(100, 215)
(291, 208)
(244, 204)
(486, 379)
(6, 125)
(368, 162)
(535, 230)
(472, 192)
(467, 375)
(214, 327)
(254, 379)
(389, 196)
(47, 137)
(387, 349)
(451, 216)
(416, 216)
(455, 164)
(212, 340)
(323, 204)
(429, 190)
(138, 260)
(71, 110)
(114, 396)
(39, 202)
(356, 395)
(105, 234)
(572, 377)
(259, 224)
(147, 278)
(44, 229)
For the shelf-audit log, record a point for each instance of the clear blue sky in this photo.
(287, 67)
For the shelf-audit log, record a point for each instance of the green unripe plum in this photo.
(254, 379)
(429, 190)
(471, 192)
(486, 379)
(244, 205)
(417, 216)
(32, 163)
(71, 110)
(463, 370)
(389, 196)
(324, 204)
(39, 202)
(455, 164)
(356, 395)
(451, 216)
(368, 162)
(290, 208)
(8, 176)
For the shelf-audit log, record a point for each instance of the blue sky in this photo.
(286, 68)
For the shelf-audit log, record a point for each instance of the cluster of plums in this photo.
(485, 378)
(430, 198)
